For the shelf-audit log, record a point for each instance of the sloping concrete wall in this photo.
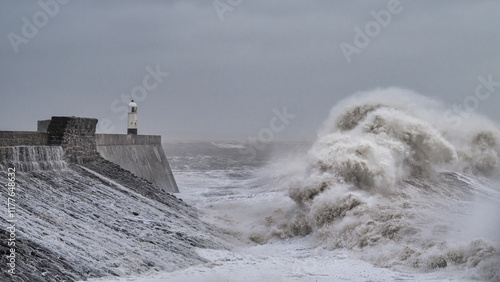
(142, 155)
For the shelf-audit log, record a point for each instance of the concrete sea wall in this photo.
(142, 155)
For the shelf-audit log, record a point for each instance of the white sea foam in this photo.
(388, 179)
(228, 145)
(387, 184)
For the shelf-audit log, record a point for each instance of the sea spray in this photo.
(388, 179)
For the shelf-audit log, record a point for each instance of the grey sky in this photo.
(226, 76)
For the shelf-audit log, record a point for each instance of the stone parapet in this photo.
(76, 136)
(23, 138)
(127, 139)
(42, 125)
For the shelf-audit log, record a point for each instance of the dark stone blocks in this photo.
(76, 136)
(20, 138)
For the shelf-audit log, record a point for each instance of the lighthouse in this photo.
(132, 118)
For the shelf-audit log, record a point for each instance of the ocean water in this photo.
(388, 191)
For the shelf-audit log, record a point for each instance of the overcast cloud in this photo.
(226, 76)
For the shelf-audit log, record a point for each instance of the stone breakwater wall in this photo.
(142, 155)
(19, 138)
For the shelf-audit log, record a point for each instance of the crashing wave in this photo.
(387, 176)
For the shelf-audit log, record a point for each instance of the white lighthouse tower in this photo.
(132, 118)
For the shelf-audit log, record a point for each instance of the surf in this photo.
(389, 179)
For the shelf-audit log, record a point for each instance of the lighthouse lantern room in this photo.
(132, 118)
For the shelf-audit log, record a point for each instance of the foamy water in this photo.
(388, 191)
(388, 180)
